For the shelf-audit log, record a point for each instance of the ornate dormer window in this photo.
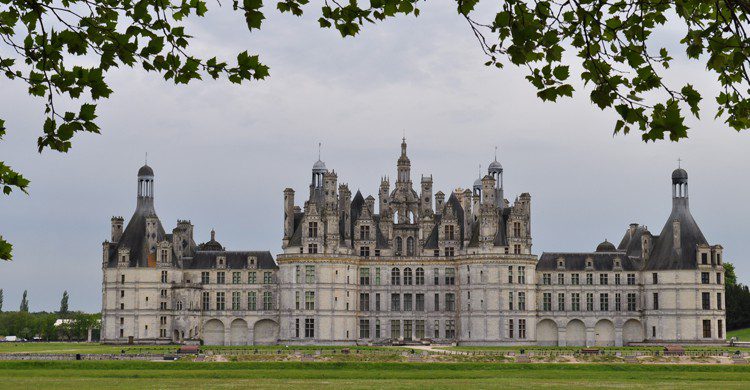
(123, 257)
(589, 264)
(252, 261)
(618, 264)
(561, 264)
(221, 262)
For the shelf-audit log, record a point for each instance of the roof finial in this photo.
(480, 170)
(146, 159)
(319, 145)
(495, 152)
(679, 163)
(213, 235)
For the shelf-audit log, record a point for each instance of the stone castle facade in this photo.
(416, 267)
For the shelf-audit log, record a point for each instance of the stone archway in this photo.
(604, 333)
(632, 332)
(266, 332)
(238, 332)
(546, 333)
(213, 332)
(575, 334)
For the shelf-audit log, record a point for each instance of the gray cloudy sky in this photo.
(223, 153)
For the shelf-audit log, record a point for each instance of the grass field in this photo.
(95, 348)
(134, 374)
(741, 334)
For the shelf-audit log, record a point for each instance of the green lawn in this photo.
(741, 334)
(134, 374)
(95, 348)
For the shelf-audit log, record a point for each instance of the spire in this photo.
(403, 165)
(319, 145)
(213, 235)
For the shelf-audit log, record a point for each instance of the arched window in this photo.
(407, 276)
(410, 246)
(419, 276)
(399, 246)
(179, 305)
(395, 276)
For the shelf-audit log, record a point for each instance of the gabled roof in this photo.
(601, 261)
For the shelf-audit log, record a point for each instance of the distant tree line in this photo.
(23, 324)
(737, 300)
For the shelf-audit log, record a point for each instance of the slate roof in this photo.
(664, 255)
(134, 237)
(602, 261)
(234, 259)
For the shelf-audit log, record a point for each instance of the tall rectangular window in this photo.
(656, 300)
(706, 301)
(631, 302)
(561, 279)
(510, 329)
(419, 305)
(364, 302)
(395, 302)
(377, 276)
(604, 302)
(704, 277)
(618, 302)
(419, 329)
(521, 300)
(235, 300)
(377, 329)
(575, 279)
(516, 229)
(205, 278)
(312, 229)
(604, 279)
(252, 278)
(449, 233)
(589, 302)
(163, 276)
(631, 279)
(252, 301)
(419, 276)
(364, 232)
(364, 251)
(220, 277)
(377, 302)
(436, 274)
(309, 274)
(707, 329)
(206, 300)
(267, 300)
(309, 300)
(267, 277)
(575, 302)
(296, 327)
(297, 274)
(510, 275)
(436, 304)
(450, 276)
(309, 328)
(617, 279)
(719, 302)
(522, 328)
(236, 276)
(510, 300)
(395, 329)
(547, 301)
(589, 279)
(436, 329)
(521, 275)
(450, 329)
(364, 328)
(546, 279)
(450, 302)
(655, 278)
(720, 328)
(364, 276)
(220, 301)
(408, 302)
